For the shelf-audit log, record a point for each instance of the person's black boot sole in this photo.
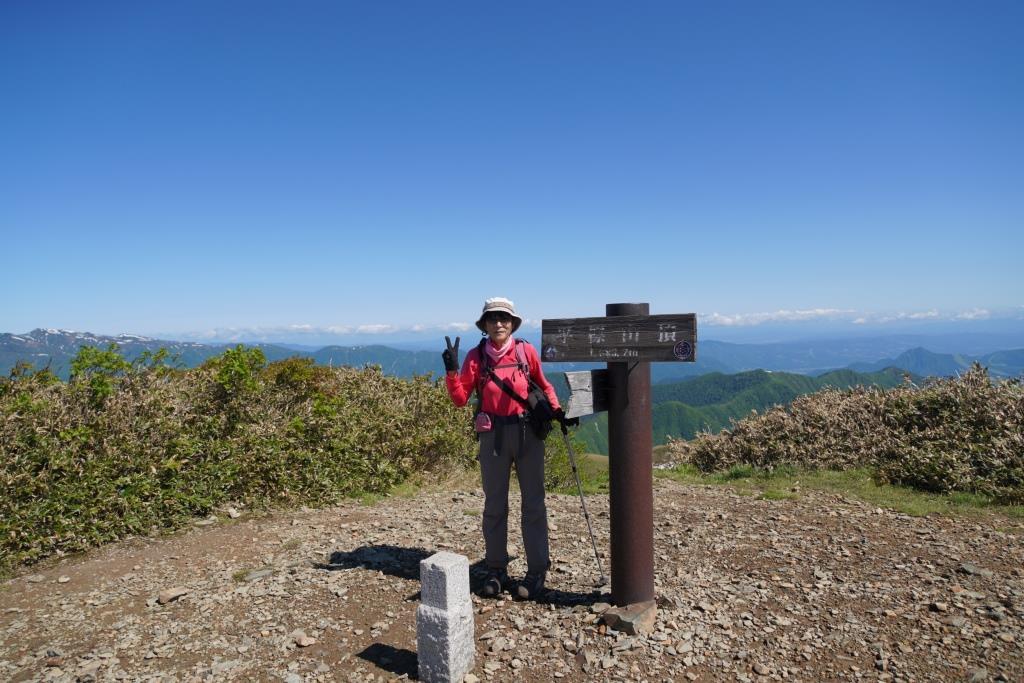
(493, 585)
(531, 588)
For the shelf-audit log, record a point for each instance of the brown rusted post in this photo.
(631, 494)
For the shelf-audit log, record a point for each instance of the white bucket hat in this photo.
(499, 304)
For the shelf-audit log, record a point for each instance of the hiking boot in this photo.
(496, 580)
(532, 586)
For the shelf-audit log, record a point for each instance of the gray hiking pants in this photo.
(499, 448)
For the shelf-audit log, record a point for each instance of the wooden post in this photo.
(630, 474)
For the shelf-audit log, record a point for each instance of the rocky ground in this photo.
(811, 589)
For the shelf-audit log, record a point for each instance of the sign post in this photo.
(630, 475)
(628, 338)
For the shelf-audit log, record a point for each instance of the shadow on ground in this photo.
(404, 563)
(398, 661)
(573, 598)
(393, 560)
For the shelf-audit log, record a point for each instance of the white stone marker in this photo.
(444, 619)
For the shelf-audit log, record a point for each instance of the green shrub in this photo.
(98, 368)
(558, 475)
(237, 370)
(150, 447)
(962, 434)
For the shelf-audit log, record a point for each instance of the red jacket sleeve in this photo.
(462, 384)
(537, 375)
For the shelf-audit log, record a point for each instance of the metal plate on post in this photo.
(588, 392)
(626, 338)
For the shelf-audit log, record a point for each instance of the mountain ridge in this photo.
(55, 348)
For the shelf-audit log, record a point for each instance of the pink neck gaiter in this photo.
(496, 353)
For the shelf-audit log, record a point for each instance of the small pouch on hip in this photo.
(482, 423)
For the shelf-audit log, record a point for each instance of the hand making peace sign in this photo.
(451, 355)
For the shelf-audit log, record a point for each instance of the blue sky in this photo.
(314, 169)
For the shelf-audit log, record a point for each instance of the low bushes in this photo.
(126, 449)
(558, 474)
(961, 434)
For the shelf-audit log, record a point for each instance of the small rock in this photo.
(470, 678)
(586, 658)
(974, 570)
(939, 607)
(300, 638)
(64, 579)
(36, 578)
(632, 619)
(171, 594)
(233, 513)
(257, 574)
(625, 645)
(761, 670)
(977, 675)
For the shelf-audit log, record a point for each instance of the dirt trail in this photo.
(816, 588)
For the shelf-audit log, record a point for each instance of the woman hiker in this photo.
(506, 437)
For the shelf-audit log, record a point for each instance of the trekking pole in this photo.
(602, 580)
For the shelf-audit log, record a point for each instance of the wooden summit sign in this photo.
(628, 339)
(624, 338)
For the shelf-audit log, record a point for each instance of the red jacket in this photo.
(495, 401)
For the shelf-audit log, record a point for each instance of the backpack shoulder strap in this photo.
(483, 361)
(524, 365)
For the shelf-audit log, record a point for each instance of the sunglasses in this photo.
(498, 318)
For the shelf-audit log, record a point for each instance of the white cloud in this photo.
(376, 329)
(744, 319)
(924, 315)
(974, 314)
(317, 333)
(913, 315)
(840, 315)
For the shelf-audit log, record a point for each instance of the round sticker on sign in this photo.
(683, 350)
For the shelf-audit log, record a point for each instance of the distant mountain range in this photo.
(921, 361)
(710, 402)
(56, 348)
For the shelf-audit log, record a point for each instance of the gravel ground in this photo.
(808, 589)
